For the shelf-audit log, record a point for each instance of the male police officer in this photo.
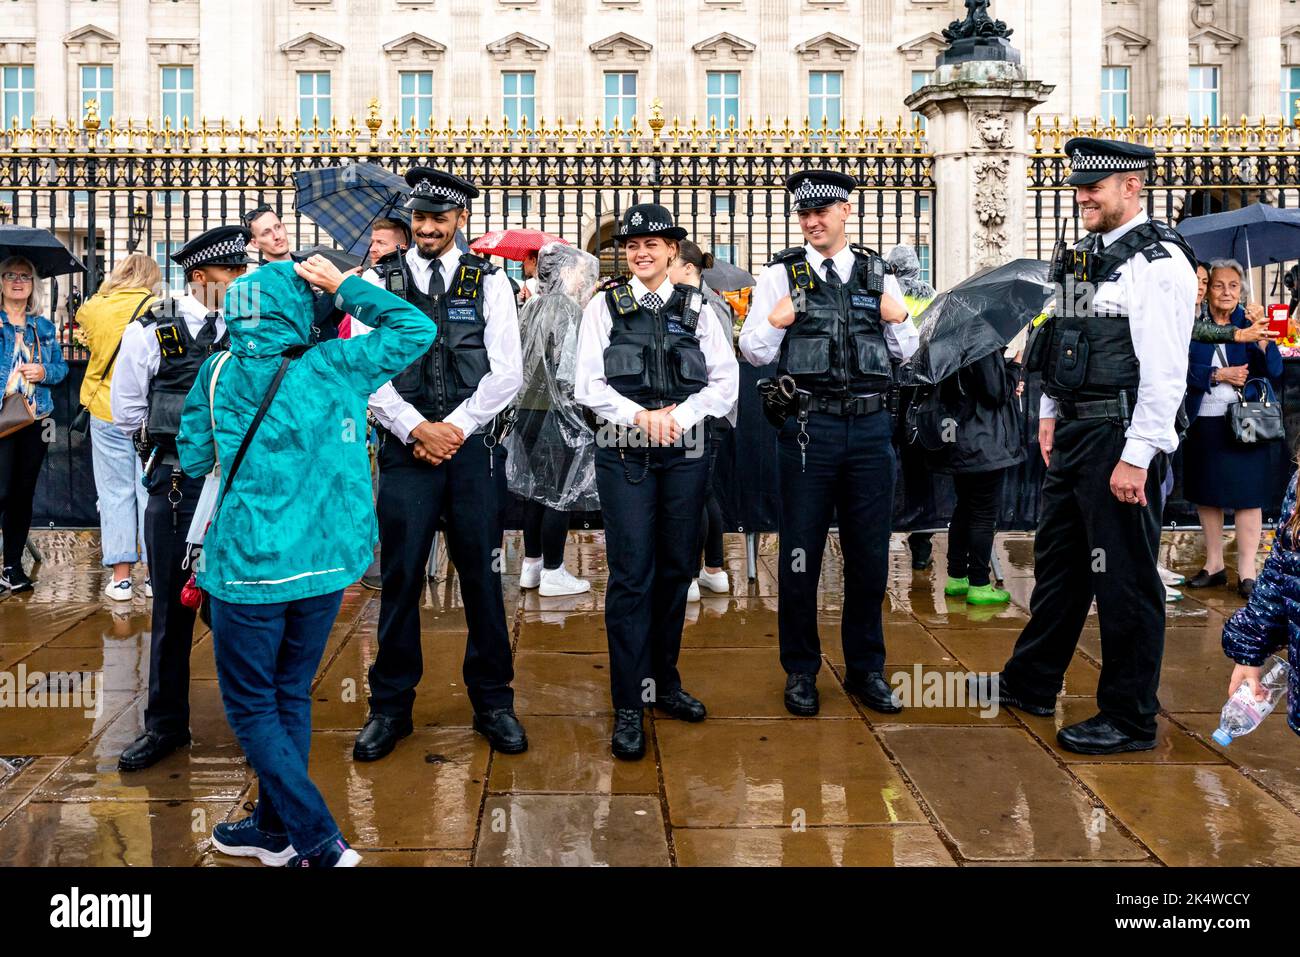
(440, 457)
(1114, 365)
(158, 363)
(833, 316)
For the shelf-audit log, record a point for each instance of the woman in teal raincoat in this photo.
(295, 529)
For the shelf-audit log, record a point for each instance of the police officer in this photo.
(832, 316)
(159, 360)
(440, 457)
(1114, 367)
(653, 363)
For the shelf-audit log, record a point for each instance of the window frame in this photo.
(25, 91)
(409, 105)
(1109, 95)
(716, 103)
(825, 97)
(621, 98)
(179, 92)
(1216, 91)
(513, 111)
(316, 97)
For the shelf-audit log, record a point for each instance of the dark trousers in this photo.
(1090, 544)
(652, 527)
(21, 457)
(545, 532)
(266, 658)
(849, 470)
(974, 522)
(711, 518)
(412, 496)
(172, 636)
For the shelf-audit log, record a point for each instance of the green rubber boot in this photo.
(987, 595)
(956, 587)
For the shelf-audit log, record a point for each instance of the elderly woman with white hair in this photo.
(1218, 471)
(31, 360)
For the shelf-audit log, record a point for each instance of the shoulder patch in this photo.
(1155, 251)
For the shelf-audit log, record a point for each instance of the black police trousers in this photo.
(652, 519)
(1089, 544)
(849, 469)
(172, 625)
(412, 496)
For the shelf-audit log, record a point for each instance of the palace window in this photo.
(177, 94)
(620, 99)
(723, 98)
(97, 84)
(1203, 94)
(1114, 95)
(19, 94)
(416, 99)
(825, 98)
(314, 99)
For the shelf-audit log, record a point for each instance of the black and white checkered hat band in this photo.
(227, 248)
(1097, 163)
(812, 190)
(425, 188)
(651, 227)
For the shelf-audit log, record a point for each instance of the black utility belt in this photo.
(1119, 408)
(849, 405)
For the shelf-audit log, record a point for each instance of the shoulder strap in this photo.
(112, 360)
(274, 387)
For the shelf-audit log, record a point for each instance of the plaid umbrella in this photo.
(346, 200)
(513, 243)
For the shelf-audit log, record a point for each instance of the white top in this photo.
(1160, 300)
(138, 359)
(505, 376)
(594, 391)
(760, 341)
(1217, 400)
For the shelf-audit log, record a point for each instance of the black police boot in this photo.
(801, 695)
(379, 736)
(1098, 735)
(502, 729)
(682, 706)
(150, 748)
(628, 740)
(873, 691)
(984, 690)
(921, 545)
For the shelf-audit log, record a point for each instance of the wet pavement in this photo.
(944, 783)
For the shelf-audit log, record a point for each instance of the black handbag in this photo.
(1255, 422)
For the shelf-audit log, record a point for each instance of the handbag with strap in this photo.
(1255, 422)
(191, 593)
(17, 412)
(80, 424)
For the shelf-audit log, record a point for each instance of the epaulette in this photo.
(863, 250)
(164, 308)
(788, 255)
(470, 259)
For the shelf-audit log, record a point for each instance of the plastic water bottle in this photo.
(1242, 714)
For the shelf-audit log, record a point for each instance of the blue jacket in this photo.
(1263, 365)
(56, 367)
(1271, 619)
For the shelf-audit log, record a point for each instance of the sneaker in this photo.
(987, 595)
(1172, 594)
(530, 573)
(1169, 576)
(956, 587)
(337, 854)
(715, 582)
(14, 579)
(119, 591)
(558, 581)
(243, 838)
(693, 593)
(148, 588)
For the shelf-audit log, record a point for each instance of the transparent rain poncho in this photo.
(552, 452)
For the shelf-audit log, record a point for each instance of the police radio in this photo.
(1060, 253)
(391, 269)
(876, 276)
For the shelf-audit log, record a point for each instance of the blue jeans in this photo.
(266, 658)
(122, 496)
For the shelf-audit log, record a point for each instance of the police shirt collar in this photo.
(447, 260)
(843, 259)
(1115, 235)
(194, 310)
(664, 292)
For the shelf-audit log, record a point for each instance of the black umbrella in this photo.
(723, 277)
(343, 261)
(977, 316)
(48, 256)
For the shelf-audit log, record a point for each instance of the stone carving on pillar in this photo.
(991, 202)
(994, 129)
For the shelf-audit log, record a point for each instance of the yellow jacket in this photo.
(103, 319)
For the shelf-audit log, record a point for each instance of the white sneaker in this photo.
(530, 573)
(148, 588)
(715, 581)
(693, 593)
(558, 581)
(1169, 576)
(1172, 594)
(119, 591)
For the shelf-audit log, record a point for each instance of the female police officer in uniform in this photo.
(653, 364)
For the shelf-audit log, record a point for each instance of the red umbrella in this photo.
(513, 243)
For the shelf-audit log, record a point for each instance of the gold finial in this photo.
(656, 120)
(373, 120)
(91, 121)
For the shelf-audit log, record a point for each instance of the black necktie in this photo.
(207, 336)
(436, 286)
(832, 277)
(652, 302)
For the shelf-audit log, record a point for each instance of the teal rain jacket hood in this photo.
(299, 520)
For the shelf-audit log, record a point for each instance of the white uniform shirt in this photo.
(1160, 300)
(593, 390)
(138, 360)
(505, 376)
(760, 341)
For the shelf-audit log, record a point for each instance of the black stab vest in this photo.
(178, 368)
(1085, 358)
(449, 372)
(654, 358)
(836, 345)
